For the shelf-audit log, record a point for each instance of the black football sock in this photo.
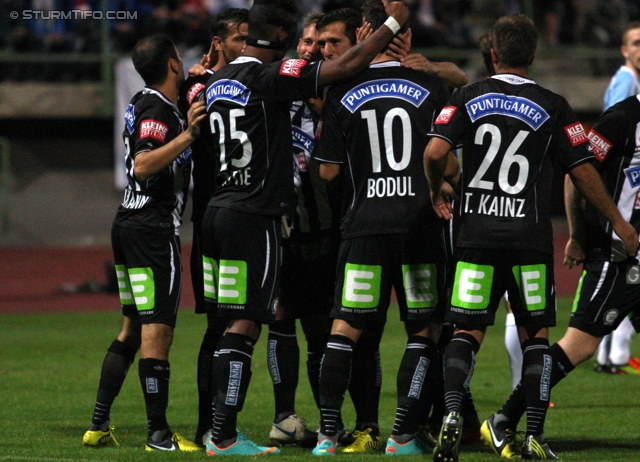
(206, 385)
(334, 381)
(434, 395)
(459, 360)
(366, 380)
(469, 412)
(414, 373)
(115, 366)
(315, 351)
(154, 378)
(536, 382)
(562, 365)
(283, 358)
(233, 368)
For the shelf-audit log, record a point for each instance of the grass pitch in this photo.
(50, 365)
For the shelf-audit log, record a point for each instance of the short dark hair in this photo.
(515, 39)
(150, 57)
(350, 17)
(226, 19)
(373, 12)
(630, 26)
(485, 50)
(266, 15)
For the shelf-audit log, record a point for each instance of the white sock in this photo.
(603, 350)
(514, 349)
(620, 351)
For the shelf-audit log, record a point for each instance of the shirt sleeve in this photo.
(290, 80)
(450, 122)
(330, 143)
(156, 127)
(607, 134)
(570, 140)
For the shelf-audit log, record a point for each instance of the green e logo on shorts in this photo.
(136, 286)
(232, 284)
(210, 277)
(361, 286)
(420, 285)
(472, 286)
(532, 280)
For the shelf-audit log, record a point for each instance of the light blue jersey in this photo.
(622, 85)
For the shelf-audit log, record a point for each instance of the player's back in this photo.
(376, 126)
(514, 134)
(615, 142)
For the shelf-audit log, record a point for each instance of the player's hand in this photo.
(400, 45)
(398, 10)
(573, 253)
(629, 236)
(196, 70)
(441, 201)
(363, 32)
(209, 60)
(196, 113)
(418, 62)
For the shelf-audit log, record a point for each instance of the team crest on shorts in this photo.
(610, 317)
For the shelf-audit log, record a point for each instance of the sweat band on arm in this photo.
(392, 24)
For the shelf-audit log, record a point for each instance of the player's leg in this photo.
(471, 314)
(119, 357)
(513, 345)
(115, 366)
(155, 272)
(205, 377)
(364, 390)
(299, 297)
(244, 252)
(359, 261)
(419, 280)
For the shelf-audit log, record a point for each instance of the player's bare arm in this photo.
(589, 184)
(149, 163)
(359, 56)
(449, 72)
(436, 160)
(574, 205)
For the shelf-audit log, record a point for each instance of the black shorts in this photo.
(308, 275)
(241, 264)
(607, 292)
(370, 266)
(484, 275)
(149, 272)
(197, 274)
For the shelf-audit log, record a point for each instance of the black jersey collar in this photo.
(148, 90)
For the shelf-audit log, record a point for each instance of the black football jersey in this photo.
(151, 121)
(313, 210)
(204, 161)
(376, 126)
(248, 114)
(615, 142)
(514, 133)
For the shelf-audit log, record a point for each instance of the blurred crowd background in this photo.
(435, 23)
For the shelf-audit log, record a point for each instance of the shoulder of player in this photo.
(153, 107)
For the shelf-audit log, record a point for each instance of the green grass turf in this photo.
(50, 365)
